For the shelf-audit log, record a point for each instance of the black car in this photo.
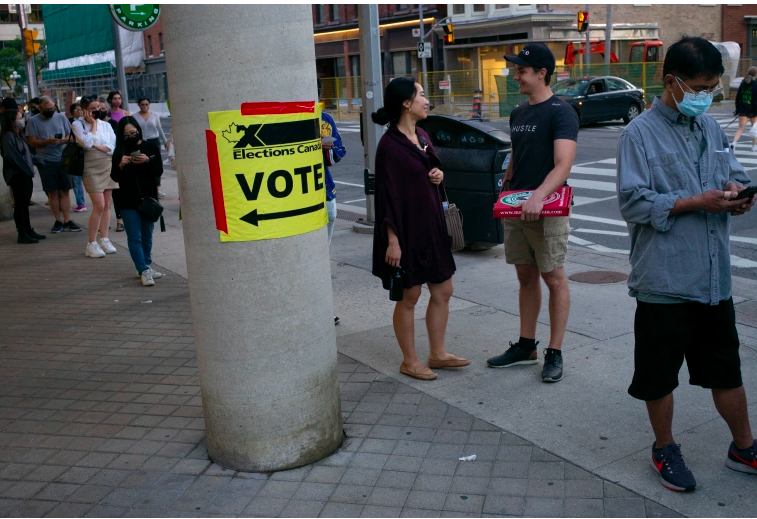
(601, 98)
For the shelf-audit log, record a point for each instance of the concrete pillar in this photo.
(262, 310)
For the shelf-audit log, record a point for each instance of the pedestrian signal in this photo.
(583, 21)
(29, 37)
(449, 36)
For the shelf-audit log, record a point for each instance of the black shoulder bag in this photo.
(72, 161)
(149, 208)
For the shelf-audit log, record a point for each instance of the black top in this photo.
(410, 204)
(533, 131)
(17, 159)
(746, 98)
(128, 195)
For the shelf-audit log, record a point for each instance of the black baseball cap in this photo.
(535, 55)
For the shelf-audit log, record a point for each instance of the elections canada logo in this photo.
(515, 199)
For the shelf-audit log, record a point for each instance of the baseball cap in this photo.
(9, 103)
(535, 55)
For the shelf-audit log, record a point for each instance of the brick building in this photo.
(152, 83)
(739, 24)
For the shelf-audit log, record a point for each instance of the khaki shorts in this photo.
(543, 243)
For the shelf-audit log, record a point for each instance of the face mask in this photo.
(694, 104)
(116, 103)
(130, 141)
(20, 124)
(48, 113)
(102, 114)
(35, 111)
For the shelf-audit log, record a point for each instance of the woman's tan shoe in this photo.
(454, 362)
(422, 374)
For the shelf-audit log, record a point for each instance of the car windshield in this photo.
(569, 87)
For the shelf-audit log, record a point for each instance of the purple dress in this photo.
(411, 205)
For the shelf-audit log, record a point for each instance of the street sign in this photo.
(424, 50)
(444, 85)
(135, 17)
(416, 33)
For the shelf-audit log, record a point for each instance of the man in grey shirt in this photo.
(677, 189)
(48, 132)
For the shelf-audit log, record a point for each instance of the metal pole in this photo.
(423, 59)
(608, 37)
(120, 72)
(587, 54)
(31, 69)
(373, 94)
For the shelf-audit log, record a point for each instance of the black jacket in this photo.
(17, 159)
(136, 181)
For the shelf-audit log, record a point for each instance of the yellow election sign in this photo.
(266, 170)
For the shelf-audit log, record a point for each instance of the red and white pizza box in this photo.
(557, 204)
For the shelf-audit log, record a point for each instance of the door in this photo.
(596, 106)
(618, 97)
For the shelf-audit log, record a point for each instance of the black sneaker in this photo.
(58, 227)
(514, 356)
(336, 320)
(674, 474)
(25, 238)
(552, 371)
(36, 235)
(742, 460)
(71, 226)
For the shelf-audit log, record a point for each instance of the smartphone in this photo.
(58, 135)
(135, 153)
(747, 193)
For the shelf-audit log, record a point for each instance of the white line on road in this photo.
(347, 183)
(742, 263)
(604, 172)
(743, 239)
(353, 201)
(599, 231)
(584, 200)
(593, 246)
(593, 184)
(597, 219)
(606, 161)
(348, 129)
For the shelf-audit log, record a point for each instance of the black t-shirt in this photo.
(533, 132)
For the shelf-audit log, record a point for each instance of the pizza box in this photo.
(557, 204)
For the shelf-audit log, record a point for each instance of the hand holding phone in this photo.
(58, 135)
(747, 193)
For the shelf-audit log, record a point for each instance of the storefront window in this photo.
(479, 8)
(458, 8)
(502, 6)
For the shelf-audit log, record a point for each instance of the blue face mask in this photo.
(694, 104)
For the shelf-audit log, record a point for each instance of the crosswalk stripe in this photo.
(742, 263)
(348, 184)
(584, 200)
(744, 239)
(593, 171)
(597, 219)
(607, 161)
(349, 130)
(600, 231)
(592, 184)
(746, 161)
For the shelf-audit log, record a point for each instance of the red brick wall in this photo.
(348, 13)
(154, 33)
(734, 26)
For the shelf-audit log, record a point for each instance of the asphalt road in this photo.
(596, 222)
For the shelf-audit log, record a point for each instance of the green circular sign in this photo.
(135, 17)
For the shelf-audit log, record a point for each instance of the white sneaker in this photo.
(107, 246)
(94, 250)
(754, 148)
(155, 273)
(147, 280)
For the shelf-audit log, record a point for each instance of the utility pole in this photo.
(31, 69)
(373, 90)
(608, 37)
(120, 71)
(587, 54)
(262, 310)
(423, 59)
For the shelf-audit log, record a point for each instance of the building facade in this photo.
(151, 81)
(739, 24)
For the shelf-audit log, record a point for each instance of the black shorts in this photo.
(666, 333)
(53, 178)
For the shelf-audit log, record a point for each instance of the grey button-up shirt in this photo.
(684, 256)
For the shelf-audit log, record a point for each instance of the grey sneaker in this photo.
(552, 371)
(147, 280)
(514, 356)
(155, 273)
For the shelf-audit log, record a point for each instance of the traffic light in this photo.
(449, 36)
(29, 37)
(583, 21)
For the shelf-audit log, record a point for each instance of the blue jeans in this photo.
(139, 238)
(78, 190)
(331, 210)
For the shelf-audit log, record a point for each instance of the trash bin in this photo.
(474, 160)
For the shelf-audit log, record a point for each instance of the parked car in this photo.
(601, 98)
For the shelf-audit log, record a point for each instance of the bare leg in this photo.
(742, 125)
(559, 305)
(661, 417)
(732, 406)
(53, 201)
(65, 205)
(753, 120)
(98, 207)
(529, 299)
(404, 326)
(105, 216)
(437, 315)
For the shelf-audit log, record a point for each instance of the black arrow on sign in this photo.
(253, 217)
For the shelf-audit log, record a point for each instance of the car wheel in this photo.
(632, 113)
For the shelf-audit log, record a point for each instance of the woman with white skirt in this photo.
(99, 141)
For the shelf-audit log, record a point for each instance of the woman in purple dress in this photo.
(411, 232)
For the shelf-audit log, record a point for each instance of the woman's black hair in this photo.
(73, 107)
(143, 99)
(87, 100)
(692, 57)
(114, 93)
(398, 91)
(7, 121)
(119, 151)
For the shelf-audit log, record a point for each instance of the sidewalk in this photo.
(101, 412)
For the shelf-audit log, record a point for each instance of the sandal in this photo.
(120, 227)
(421, 374)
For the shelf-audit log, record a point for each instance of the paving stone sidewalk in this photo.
(100, 415)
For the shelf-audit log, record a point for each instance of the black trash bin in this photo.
(474, 160)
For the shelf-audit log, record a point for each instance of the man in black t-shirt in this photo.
(544, 131)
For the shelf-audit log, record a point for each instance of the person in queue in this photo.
(149, 122)
(411, 231)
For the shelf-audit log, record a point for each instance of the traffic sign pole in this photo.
(423, 59)
(31, 69)
(120, 71)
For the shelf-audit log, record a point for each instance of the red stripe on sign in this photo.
(294, 107)
(216, 186)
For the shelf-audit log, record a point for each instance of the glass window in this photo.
(149, 44)
(754, 43)
(597, 87)
(400, 63)
(568, 87)
(502, 6)
(458, 8)
(479, 8)
(653, 54)
(401, 7)
(160, 39)
(615, 85)
(340, 71)
(355, 7)
(334, 12)
(637, 54)
(319, 14)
